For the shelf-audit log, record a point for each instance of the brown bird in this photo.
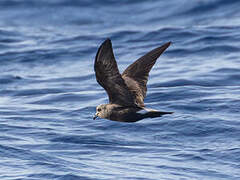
(126, 91)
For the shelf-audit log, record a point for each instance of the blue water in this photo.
(48, 91)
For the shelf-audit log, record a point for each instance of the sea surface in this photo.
(48, 90)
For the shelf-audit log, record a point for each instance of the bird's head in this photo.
(101, 111)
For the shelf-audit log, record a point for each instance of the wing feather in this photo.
(139, 72)
(108, 76)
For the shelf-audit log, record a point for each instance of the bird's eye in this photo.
(99, 109)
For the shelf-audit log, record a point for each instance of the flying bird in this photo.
(126, 91)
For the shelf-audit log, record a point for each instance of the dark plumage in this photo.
(126, 92)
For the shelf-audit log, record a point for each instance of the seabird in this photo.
(126, 91)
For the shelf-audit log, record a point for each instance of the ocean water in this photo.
(48, 91)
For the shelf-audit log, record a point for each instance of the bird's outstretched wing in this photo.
(138, 72)
(108, 76)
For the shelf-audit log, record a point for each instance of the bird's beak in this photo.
(95, 116)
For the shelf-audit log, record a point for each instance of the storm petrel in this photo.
(126, 91)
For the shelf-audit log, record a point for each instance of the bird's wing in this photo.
(139, 70)
(108, 76)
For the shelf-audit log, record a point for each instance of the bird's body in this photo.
(126, 91)
(116, 112)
